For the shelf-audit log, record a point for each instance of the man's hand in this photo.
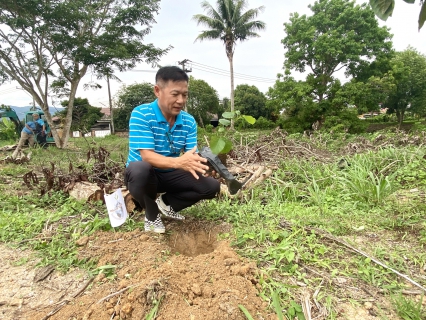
(192, 162)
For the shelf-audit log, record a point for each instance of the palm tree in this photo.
(229, 23)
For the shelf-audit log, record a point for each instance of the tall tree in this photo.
(250, 101)
(127, 98)
(339, 35)
(229, 23)
(409, 73)
(384, 9)
(203, 101)
(48, 46)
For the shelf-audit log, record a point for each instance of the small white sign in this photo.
(116, 208)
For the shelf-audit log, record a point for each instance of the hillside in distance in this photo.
(20, 111)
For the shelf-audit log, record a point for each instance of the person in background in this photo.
(163, 154)
(31, 129)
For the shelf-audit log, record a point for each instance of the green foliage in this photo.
(84, 116)
(294, 124)
(59, 41)
(384, 9)
(219, 143)
(203, 101)
(261, 123)
(128, 97)
(338, 35)
(345, 121)
(7, 129)
(22, 219)
(409, 78)
(249, 100)
(408, 309)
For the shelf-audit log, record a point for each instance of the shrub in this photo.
(345, 121)
(263, 123)
(7, 129)
(293, 125)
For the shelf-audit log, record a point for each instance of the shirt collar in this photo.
(160, 117)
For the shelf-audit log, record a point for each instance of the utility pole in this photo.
(110, 106)
(183, 63)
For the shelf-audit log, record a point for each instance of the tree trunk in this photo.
(229, 47)
(110, 107)
(231, 68)
(400, 117)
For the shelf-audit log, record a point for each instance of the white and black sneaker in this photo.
(155, 226)
(168, 211)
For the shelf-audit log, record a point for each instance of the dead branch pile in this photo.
(104, 175)
(20, 159)
(400, 138)
(275, 147)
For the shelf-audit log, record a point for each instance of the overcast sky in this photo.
(260, 59)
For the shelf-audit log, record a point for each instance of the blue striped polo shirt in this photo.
(149, 130)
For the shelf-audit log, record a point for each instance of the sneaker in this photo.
(155, 226)
(168, 211)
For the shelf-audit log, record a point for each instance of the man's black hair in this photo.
(170, 73)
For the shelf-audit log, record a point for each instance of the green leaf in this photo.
(225, 122)
(221, 129)
(277, 305)
(227, 147)
(249, 119)
(217, 145)
(422, 16)
(228, 115)
(245, 311)
(383, 8)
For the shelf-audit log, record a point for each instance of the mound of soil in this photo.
(188, 271)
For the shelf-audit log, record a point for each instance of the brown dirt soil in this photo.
(194, 275)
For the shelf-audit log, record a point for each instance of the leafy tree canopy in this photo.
(128, 97)
(338, 36)
(84, 115)
(48, 46)
(203, 101)
(409, 74)
(250, 101)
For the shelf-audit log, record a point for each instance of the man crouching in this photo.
(163, 154)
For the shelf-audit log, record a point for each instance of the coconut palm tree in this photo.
(229, 23)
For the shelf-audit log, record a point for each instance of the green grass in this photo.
(376, 203)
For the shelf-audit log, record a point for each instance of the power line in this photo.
(236, 77)
(227, 72)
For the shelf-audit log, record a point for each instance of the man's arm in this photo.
(28, 127)
(190, 161)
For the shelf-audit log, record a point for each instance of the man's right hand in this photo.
(192, 162)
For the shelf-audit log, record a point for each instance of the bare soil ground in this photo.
(192, 273)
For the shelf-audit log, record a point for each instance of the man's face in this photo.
(172, 96)
(35, 116)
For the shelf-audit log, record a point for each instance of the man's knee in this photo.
(213, 188)
(137, 170)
